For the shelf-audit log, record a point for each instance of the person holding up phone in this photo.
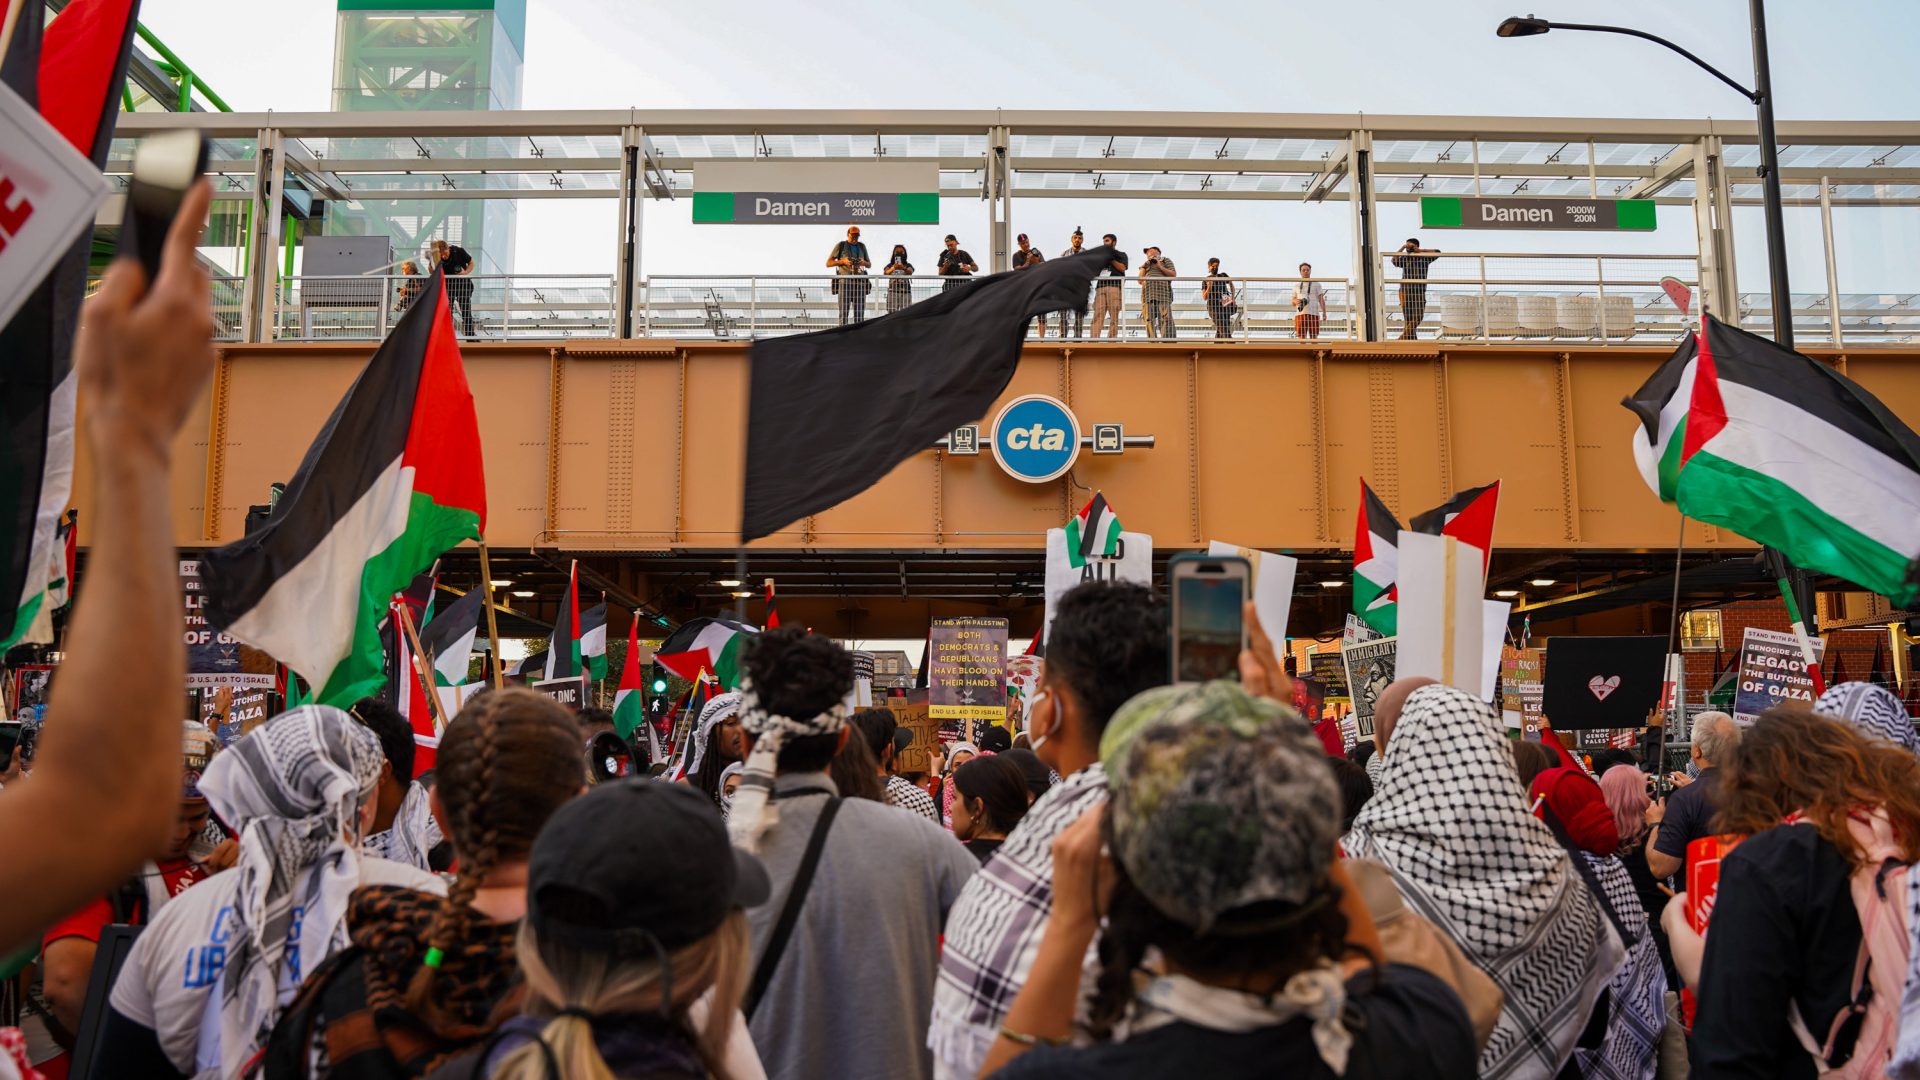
(1156, 294)
(1413, 262)
(955, 264)
(900, 289)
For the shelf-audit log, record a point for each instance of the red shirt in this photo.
(96, 916)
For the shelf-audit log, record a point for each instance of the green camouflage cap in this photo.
(1219, 800)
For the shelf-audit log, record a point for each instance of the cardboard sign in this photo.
(1370, 670)
(48, 193)
(1771, 671)
(215, 658)
(1520, 690)
(1132, 561)
(911, 712)
(569, 692)
(1441, 623)
(967, 669)
(1603, 682)
(1272, 586)
(1329, 669)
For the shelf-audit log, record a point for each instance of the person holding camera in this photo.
(849, 260)
(1107, 298)
(955, 264)
(1413, 262)
(1217, 290)
(900, 289)
(1309, 304)
(1156, 294)
(1079, 317)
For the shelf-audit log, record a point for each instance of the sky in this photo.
(1830, 61)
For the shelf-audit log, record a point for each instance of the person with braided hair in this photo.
(426, 973)
(716, 744)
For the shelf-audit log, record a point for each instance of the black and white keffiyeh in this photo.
(1449, 819)
(753, 811)
(412, 836)
(715, 713)
(1636, 1006)
(292, 788)
(1875, 710)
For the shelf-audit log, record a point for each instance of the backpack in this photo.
(1871, 1020)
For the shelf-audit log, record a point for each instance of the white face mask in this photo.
(1036, 740)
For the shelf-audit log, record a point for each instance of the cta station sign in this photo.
(1528, 212)
(811, 193)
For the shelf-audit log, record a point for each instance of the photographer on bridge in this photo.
(849, 260)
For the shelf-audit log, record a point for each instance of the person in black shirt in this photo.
(1687, 815)
(1218, 290)
(955, 264)
(849, 262)
(453, 260)
(1413, 262)
(1107, 296)
(989, 798)
(1785, 936)
(900, 289)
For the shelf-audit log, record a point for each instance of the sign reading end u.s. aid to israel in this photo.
(1036, 438)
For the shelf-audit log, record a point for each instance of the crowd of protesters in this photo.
(1224, 297)
(1163, 880)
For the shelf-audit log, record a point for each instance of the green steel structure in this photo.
(419, 56)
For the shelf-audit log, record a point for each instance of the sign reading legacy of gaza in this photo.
(1535, 213)
(816, 193)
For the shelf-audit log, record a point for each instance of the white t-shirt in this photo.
(1315, 295)
(171, 980)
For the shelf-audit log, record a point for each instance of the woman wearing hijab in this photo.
(717, 743)
(1873, 710)
(957, 755)
(730, 783)
(1222, 824)
(1449, 819)
(207, 979)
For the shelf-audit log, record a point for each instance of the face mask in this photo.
(1035, 739)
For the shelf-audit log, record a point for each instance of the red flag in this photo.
(772, 620)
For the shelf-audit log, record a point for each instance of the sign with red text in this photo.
(48, 193)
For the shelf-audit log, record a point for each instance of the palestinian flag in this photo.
(409, 695)
(1467, 517)
(531, 666)
(449, 636)
(71, 72)
(393, 480)
(1741, 433)
(593, 641)
(772, 621)
(1093, 533)
(704, 644)
(1376, 564)
(630, 700)
(563, 645)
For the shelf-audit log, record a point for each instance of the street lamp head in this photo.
(1527, 27)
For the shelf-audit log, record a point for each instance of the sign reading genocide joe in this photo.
(967, 669)
(1535, 212)
(215, 658)
(1771, 671)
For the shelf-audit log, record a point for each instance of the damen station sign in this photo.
(811, 193)
(1530, 212)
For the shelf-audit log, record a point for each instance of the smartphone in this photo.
(165, 165)
(11, 732)
(1209, 621)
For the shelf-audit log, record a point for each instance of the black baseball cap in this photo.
(636, 859)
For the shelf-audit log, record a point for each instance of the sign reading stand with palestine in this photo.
(817, 193)
(1535, 213)
(967, 669)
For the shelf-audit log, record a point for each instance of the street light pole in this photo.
(1762, 98)
(1770, 181)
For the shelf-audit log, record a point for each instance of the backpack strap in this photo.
(286, 1053)
(790, 911)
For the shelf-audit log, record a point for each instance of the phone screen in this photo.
(1208, 635)
(9, 738)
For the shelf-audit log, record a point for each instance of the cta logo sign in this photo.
(1036, 438)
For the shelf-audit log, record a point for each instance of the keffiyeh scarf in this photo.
(413, 833)
(293, 788)
(753, 811)
(1873, 709)
(1449, 819)
(1316, 993)
(711, 717)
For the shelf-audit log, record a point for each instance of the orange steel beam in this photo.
(637, 445)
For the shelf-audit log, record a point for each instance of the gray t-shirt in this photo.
(853, 990)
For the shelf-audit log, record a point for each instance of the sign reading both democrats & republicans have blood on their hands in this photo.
(967, 669)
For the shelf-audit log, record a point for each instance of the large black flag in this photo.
(831, 413)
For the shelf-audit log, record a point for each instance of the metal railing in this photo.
(1487, 296)
(755, 306)
(1851, 319)
(228, 291)
(490, 306)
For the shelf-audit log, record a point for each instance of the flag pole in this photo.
(422, 667)
(1676, 666)
(493, 624)
(1800, 635)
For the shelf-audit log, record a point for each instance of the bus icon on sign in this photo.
(1108, 439)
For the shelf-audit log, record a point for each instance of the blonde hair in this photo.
(564, 977)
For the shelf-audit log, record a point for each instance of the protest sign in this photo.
(1357, 630)
(1442, 625)
(1370, 670)
(1023, 681)
(1272, 585)
(48, 193)
(1132, 560)
(215, 658)
(1520, 689)
(571, 693)
(1494, 635)
(231, 713)
(967, 669)
(1603, 682)
(861, 696)
(1329, 669)
(1771, 671)
(910, 711)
